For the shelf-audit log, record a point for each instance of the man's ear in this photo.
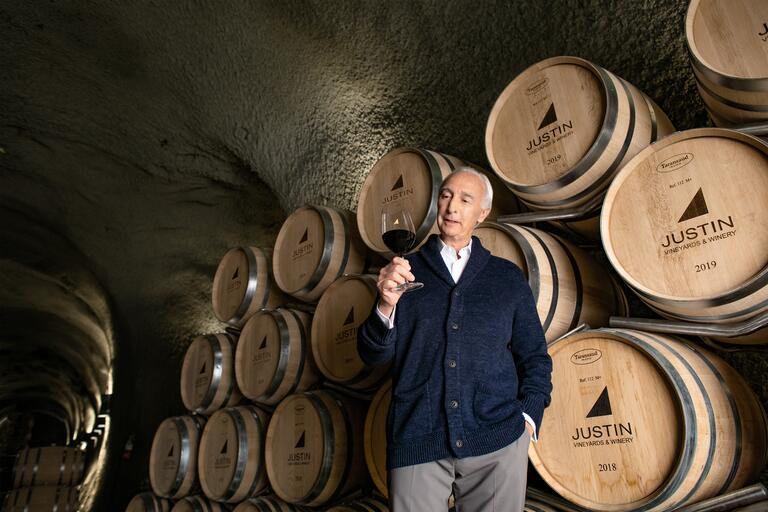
(483, 214)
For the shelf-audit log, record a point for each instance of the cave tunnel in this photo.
(139, 141)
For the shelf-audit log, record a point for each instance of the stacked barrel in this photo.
(46, 478)
(643, 421)
(563, 128)
(729, 57)
(283, 414)
(276, 400)
(213, 454)
(699, 252)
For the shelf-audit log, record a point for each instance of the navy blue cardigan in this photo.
(469, 358)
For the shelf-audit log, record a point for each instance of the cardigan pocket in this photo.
(411, 413)
(491, 404)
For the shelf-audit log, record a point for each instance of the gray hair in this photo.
(488, 198)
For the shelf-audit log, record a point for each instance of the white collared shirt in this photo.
(456, 262)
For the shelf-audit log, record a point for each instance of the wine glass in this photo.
(398, 234)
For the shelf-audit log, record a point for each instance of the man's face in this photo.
(460, 206)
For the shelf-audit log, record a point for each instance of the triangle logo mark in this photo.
(300, 442)
(696, 208)
(224, 448)
(263, 343)
(236, 274)
(398, 184)
(602, 406)
(304, 237)
(202, 370)
(549, 118)
(170, 452)
(350, 317)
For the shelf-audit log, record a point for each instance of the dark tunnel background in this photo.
(139, 140)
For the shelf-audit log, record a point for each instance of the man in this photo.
(471, 373)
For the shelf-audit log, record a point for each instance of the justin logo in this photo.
(398, 191)
(552, 133)
(170, 463)
(234, 282)
(696, 208)
(201, 382)
(350, 316)
(764, 34)
(607, 433)
(549, 118)
(300, 457)
(261, 355)
(222, 460)
(602, 406)
(304, 246)
(348, 330)
(700, 234)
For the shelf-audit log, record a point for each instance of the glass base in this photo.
(407, 287)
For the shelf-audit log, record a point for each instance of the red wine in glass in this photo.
(399, 241)
(398, 234)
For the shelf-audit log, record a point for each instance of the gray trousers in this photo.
(494, 482)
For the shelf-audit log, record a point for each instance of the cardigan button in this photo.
(459, 443)
(454, 404)
(455, 327)
(452, 363)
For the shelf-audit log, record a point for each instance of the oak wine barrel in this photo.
(45, 498)
(173, 456)
(231, 454)
(366, 504)
(243, 284)
(274, 357)
(148, 502)
(642, 421)
(410, 178)
(197, 504)
(266, 504)
(728, 46)
(569, 286)
(207, 374)
(344, 306)
(685, 225)
(50, 465)
(314, 448)
(562, 129)
(375, 437)
(315, 246)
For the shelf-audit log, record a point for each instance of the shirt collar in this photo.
(446, 251)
